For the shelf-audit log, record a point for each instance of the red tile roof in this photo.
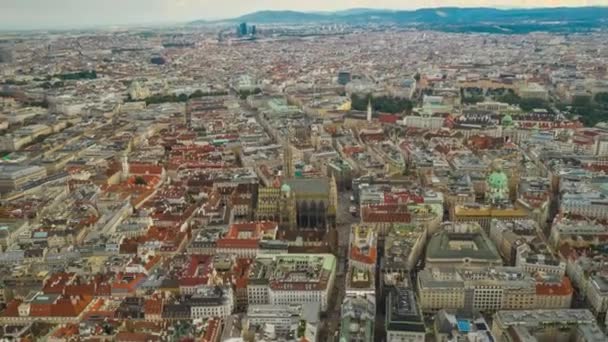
(212, 330)
(62, 307)
(136, 337)
(550, 289)
(66, 331)
(384, 213)
(368, 258)
(241, 272)
(12, 308)
(388, 118)
(153, 306)
(145, 169)
(57, 282)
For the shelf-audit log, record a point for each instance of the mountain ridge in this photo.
(444, 18)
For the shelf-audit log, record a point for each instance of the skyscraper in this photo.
(242, 30)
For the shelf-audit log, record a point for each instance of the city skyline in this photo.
(66, 14)
(350, 171)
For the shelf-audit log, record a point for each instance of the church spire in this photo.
(288, 161)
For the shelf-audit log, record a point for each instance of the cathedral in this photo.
(298, 203)
(306, 203)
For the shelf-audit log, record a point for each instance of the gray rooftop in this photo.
(309, 186)
(474, 245)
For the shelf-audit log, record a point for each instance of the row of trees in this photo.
(473, 99)
(601, 98)
(158, 98)
(384, 104)
(590, 111)
(524, 103)
(244, 93)
(54, 85)
(81, 75)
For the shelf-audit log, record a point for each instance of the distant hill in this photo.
(567, 19)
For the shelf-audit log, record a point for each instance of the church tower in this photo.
(287, 215)
(369, 110)
(333, 195)
(125, 167)
(333, 202)
(288, 161)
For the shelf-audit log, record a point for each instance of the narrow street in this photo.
(344, 219)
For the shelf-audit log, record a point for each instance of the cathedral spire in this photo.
(287, 161)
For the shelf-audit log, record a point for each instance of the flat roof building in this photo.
(547, 326)
(358, 319)
(462, 245)
(284, 279)
(404, 321)
(473, 290)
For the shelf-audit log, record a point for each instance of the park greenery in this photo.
(601, 98)
(384, 104)
(473, 99)
(590, 111)
(160, 98)
(80, 75)
(243, 94)
(526, 104)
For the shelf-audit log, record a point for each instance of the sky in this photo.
(43, 14)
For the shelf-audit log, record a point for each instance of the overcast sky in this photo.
(33, 14)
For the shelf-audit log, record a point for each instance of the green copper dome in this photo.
(285, 188)
(498, 184)
(498, 180)
(507, 120)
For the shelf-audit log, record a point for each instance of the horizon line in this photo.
(101, 26)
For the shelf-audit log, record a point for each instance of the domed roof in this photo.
(498, 179)
(507, 120)
(285, 188)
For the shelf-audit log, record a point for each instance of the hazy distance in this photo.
(44, 14)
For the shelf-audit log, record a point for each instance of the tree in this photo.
(472, 99)
(382, 104)
(14, 82)
(601, 98)
(198, 93)
(510, 98)
(243, 94)
(524, 104)
(90, 75)
(581, 101)
(530, 104)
